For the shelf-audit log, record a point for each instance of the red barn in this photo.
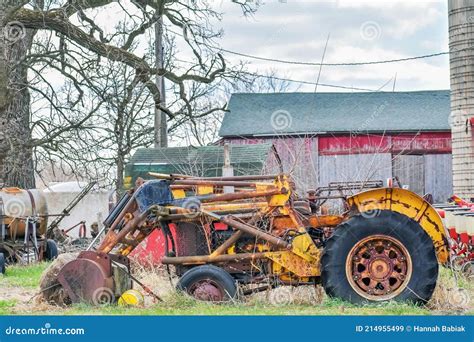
(324, 137)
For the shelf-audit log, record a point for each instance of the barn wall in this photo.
(438, 179)
(354, 167)
(410, 170)
(298, 155)
(421, 161)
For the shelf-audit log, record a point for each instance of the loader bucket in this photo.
(94, 278)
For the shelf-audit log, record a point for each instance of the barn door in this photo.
(410, 170)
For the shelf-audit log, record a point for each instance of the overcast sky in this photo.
(359, 31)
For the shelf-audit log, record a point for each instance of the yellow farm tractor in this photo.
(232, 236)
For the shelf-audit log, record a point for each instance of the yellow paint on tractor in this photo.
(409, 204)
(287, 261)
(178, 193)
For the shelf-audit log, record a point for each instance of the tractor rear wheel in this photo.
(208, 283)
(378, 257)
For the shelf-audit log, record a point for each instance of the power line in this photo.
(310, 83)
(295, 81)
(379, 90)
(320, 64)
(313, 83)
(333, 64)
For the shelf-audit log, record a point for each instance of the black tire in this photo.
(2, 263)
(421, 284)
(51, 252)
(217, 276)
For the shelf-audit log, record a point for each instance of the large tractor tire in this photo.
(208, 283)
(380, 256)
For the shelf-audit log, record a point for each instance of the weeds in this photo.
(453, 295)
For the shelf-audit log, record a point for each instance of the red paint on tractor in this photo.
(152, 249)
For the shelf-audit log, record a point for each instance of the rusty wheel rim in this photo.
(207, 290)
(379, 267)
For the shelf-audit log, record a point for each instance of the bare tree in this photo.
(75, 40)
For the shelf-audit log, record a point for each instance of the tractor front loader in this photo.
(386, 244)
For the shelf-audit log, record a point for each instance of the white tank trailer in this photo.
(23, 223)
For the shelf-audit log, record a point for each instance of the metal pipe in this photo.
(240, 195)
(111, 241)
(168, 176)
(251, 230)
(203, 259)
(96, 238)
(177, 217)
(228, 178)
(227, 243)
(214, 183)
(117, 209)
(243, 178)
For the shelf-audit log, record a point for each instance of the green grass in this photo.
(6, 306)
(27, 277)
(24, 276)
(181, 305)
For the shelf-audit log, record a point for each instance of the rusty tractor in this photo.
(231, 236)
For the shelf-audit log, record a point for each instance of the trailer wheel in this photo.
(2, 263)
(208, 283)
(386, 256)
(51, 252)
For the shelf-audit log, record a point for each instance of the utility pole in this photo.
(161, 126)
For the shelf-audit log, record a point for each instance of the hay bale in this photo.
(51, 291)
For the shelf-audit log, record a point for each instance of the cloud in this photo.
(298, 30)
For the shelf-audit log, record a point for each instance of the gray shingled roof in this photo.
(198, 161)
(293, 113)
(202, 154)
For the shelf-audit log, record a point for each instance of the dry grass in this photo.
(453, 295)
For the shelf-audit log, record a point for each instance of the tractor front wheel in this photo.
(379, 257)
(208, 283)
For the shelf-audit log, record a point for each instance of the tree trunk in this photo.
(119, 181)
(16, 159)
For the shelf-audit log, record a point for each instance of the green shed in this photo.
(206, 161)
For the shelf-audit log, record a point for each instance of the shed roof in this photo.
(198, 161)
(254, 114)
(202, 154)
